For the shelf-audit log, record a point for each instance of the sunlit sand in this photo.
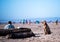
(38, 31)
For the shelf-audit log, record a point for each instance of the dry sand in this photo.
(38, 30)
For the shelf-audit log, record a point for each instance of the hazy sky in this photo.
(13, 9)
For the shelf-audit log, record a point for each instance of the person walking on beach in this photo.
(9, 25)
(46, 28)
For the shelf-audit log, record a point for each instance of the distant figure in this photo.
(37, 22)
(26, 21)
(9, 25)
(23, 21)
(46, 28)
(56, 22)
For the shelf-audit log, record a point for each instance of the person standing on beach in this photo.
(56, 22)
(9, 25)
(46, 28)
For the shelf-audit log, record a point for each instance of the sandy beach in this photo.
(38, 31)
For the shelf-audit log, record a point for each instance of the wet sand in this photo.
(38, 31)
